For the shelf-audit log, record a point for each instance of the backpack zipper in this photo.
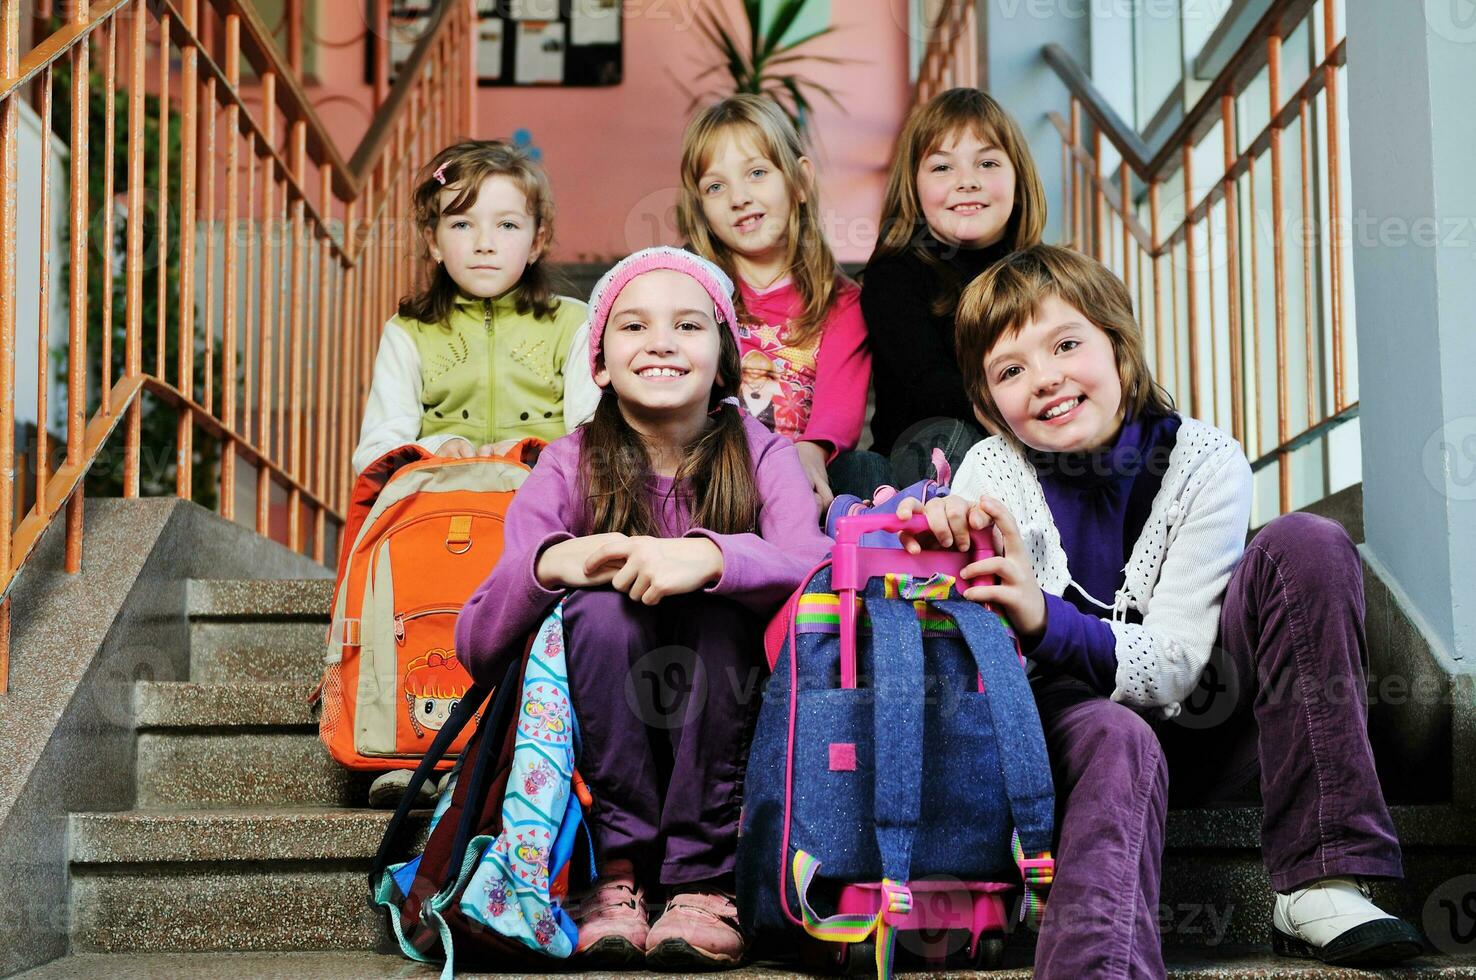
(401, 618)
(490, 432)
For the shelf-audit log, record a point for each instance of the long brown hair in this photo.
(614, 465)
(956, 111)
(1008, 295)
(809, 258)
(464, 166)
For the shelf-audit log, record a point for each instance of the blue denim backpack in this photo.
(898, 777)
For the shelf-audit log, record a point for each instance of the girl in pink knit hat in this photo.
(672, 525)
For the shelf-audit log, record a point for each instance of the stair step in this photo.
(242, 907)
(259, 598)
(165, 704)
(1224, 965)
(270, 769)
(224, 651)
(244, 834)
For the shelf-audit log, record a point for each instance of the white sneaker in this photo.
(1334, 921)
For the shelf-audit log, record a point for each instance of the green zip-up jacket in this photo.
(489, 374)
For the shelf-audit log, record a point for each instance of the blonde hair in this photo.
(1009, 294)
(958, 110)
(809, 259)
(463, 167)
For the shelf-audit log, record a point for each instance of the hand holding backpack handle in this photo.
(853, 565)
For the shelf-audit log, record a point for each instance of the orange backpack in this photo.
(422, 534)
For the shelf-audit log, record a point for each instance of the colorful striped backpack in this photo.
(507, 839)
(898, 780)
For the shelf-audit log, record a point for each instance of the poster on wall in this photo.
(576, 43)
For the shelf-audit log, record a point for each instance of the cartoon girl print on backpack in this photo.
(434, 683)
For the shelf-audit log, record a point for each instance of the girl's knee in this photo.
(1298, 534)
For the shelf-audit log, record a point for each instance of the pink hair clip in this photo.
(440, 174)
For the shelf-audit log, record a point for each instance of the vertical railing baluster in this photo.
(1334, 201)
(231, 296)
(1308, 293)
(1153, 190)
(43, 306)
(294, 367)
(1191, 287)
(133, 342)
(185, 428)
(1278, 239)
(1078, 237)
(162, 216)
(77, 298)
(1099, 207)
(207, 398)
(9, 175)
(110, 140)
(267, 290)
(1232, 269)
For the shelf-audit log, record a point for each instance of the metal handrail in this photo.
(294, 319)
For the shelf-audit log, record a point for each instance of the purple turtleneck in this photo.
(1099, 502)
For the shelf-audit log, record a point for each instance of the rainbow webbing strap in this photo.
(1038, 871)
(851, 928)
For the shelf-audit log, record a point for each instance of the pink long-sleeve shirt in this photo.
(810, 393)
(760, 568)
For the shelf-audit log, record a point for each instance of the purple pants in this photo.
(1281, 705)
(666, 697)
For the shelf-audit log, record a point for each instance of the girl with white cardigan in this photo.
(1159, 643)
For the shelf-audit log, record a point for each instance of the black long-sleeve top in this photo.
(914, 361)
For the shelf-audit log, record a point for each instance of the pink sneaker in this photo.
(611, 918)
(698, 930)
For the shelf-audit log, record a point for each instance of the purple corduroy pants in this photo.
(666, 697)
(1280, 716)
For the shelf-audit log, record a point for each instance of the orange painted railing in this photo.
(263, 344)
(1248, 263)
(953, 55)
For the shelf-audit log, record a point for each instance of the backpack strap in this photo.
(898, 733)
(1016, 721)
(465, 710)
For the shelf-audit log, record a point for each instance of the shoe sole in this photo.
(678, 954)
(1376, 943)
(616, 951)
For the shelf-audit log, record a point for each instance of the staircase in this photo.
(247, 849)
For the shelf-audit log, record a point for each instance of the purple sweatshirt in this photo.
(760, 570)
(1099, 503)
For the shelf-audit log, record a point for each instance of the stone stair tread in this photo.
(1187, 965)
(1418, 825)
(259, 598)
(304, 833)
(190, 704)
(196, 769)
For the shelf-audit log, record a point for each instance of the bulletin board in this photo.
(575, 43)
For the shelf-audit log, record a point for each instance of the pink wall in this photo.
(612, 153)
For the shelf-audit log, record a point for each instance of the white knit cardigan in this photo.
(1179, 567)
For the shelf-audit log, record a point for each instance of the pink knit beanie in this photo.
(714, 280)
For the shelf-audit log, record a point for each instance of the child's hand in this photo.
(653, 568)
(949, 519)
(457, 448)
(567, 565)
(812, 457)
(1018, 595)
(497, 448)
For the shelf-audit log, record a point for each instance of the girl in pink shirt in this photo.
(749, 203)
